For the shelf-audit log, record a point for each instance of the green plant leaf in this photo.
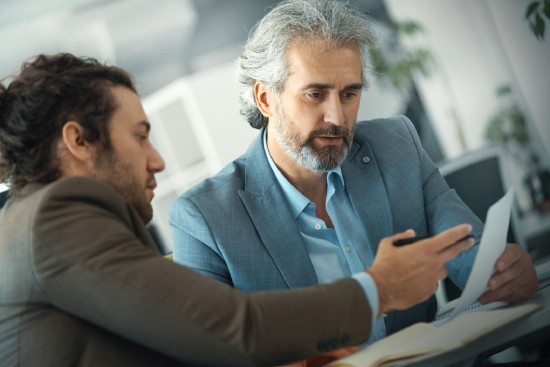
(546, 9)
(396, 66)
(495, 132)
(503, 90)
(539, 26)
(519, 129)
(532, 26)
(409, 28)
(531, 8)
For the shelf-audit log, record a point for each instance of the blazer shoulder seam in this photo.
(219, 184)
(434, 172)
(412, 137)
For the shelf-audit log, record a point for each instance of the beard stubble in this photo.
(121, 177)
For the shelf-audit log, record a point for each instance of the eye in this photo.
(350, 95)
(315, 95)
(142, 138)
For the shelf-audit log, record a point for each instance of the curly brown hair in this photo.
(49, 91)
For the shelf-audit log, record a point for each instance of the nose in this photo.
(334, 113)
(155, 163)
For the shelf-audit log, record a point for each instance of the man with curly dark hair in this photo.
(38, 105)
(81, 281)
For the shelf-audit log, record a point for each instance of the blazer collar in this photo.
(259, 177)
(367, 191)
(270, 212)
(31, 188)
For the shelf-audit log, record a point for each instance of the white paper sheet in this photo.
(491, 247)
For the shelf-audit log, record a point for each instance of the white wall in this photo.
(529, 60)
(215, 95)
(478, 46)
(382, 99)
(145, 37)
(195, 116)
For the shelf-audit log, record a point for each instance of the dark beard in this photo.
(119, 175)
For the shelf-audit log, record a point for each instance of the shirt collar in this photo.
(336, 174)
(295, 198)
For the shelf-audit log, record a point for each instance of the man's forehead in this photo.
(312, 59)
(129, 110)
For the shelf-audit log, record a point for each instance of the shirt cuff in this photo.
(371, 292)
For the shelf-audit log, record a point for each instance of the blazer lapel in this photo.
(267, 206)
(368, 195)
(367, 192)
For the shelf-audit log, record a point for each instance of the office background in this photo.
(470, 74)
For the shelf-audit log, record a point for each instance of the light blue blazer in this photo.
(237, 226)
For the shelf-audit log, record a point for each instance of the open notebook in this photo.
(422, 341)
(460, 322)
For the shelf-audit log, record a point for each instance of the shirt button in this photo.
(348, 249)
(381, 333)
(317, 226)
(310, 206)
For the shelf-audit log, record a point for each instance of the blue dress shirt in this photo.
(332, 251)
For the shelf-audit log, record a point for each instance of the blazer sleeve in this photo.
(444, 209)
(91, 264)
(193, 243)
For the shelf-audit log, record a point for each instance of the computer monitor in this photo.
(480, 178)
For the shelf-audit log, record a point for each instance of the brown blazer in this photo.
(82, 284)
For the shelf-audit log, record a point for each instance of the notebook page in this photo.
(449, 306)
(467, 328)
(475, 307)
(374, 352)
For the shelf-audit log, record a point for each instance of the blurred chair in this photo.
(480, 178)
(4, 196)
(157, 237)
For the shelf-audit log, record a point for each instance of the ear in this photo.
(73, 139)
(264, 99)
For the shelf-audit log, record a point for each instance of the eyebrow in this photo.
(330, 86)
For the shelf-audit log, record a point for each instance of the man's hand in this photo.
(515, 279)
(408, 275)
(324, 358)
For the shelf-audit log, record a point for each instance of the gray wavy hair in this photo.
(265, 57)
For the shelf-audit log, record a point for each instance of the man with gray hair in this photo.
(316, 193)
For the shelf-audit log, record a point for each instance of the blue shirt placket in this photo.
(327, 247)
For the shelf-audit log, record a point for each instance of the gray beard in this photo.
(303, 152)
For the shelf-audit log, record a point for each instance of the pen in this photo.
(408, 241)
